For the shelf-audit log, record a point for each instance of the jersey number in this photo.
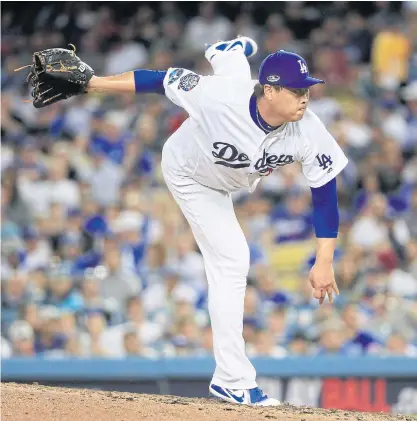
(303, 67)
(324, 161)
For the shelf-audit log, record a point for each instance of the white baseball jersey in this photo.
(221, 147)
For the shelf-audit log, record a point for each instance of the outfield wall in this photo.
(353, 383)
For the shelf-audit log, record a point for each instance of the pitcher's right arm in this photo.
(183, 87)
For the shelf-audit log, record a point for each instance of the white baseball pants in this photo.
(223, 245)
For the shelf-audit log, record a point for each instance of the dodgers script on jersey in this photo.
(221, 147)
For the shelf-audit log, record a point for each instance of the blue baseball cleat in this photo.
(247, 44)
(253, 397)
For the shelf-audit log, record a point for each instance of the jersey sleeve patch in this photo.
(175, 75)
(189, 82)
(325, 161)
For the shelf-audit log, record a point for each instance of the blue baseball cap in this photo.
(30, 233)
(286, 69)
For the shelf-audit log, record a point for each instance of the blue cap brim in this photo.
(304, 83)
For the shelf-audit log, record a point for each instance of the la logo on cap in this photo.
(303, 67)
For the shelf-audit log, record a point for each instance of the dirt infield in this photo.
(40, 403)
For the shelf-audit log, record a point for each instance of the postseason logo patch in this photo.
(175, 75)
(188, 82)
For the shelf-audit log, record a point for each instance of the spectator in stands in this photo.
(359, 38)
(411, 215)
(36, 253)
(280, 38)
(370, 186)
(74, 229)
(38, 285)
(185, 337)
(329, 57)
(152, 269)
(412, 257)
(357, 132)
(30, 313)
(159, 298)
(380, 16)
(15, 293)
(371, 282)
(6, 348)
(372, 222)
(96, 340)
(390, 54)
(14, 209)
(69, 324)
(293, 221)
(250, 329)
(52, 225)
(347, 269)
(70, 329)
(131, 228)
(252, 309)
(60, 189)
(90, 290)
(278, 326)
(189, 263)
(124, 56)
(112, 139)
(206, 342)
(357, 339)
(69, 248)
(170, 38)
(104, 177)
(135, 318)
(51, 340)
(183, 308)
(133, 347)
(392, 164)
(327, 108)
(117, 283)
(304, 316)
(208, 25)
(301, 19)
(73, 348)
(62, 292)
(22, 339)
(10, 261)
(265, 346)
(244, 24)
(299, 345)
(269, 293)
(401, 282)
(331, 338)
(102, 241)
(397, 345)
(409, 94)
(392, 120)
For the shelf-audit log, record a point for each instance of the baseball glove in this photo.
(57, 74)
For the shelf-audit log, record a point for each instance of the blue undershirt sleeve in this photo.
(325, 210)
(149, 81)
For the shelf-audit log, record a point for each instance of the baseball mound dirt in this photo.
(21, 402)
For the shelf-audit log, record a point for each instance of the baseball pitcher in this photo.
(238, 131)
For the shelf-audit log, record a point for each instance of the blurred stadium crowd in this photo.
(96, 258)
